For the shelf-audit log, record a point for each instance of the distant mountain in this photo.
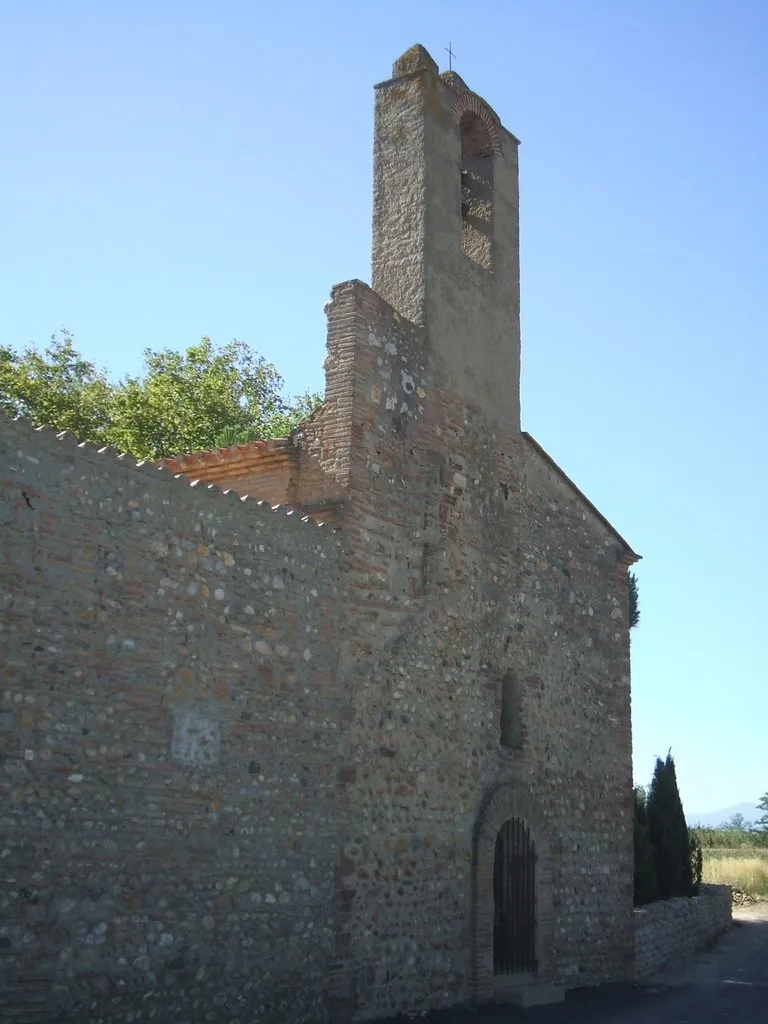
(715, 818)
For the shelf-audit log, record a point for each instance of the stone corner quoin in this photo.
(258, 766)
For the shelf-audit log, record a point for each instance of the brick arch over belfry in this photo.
(507, 800)
(470, 103)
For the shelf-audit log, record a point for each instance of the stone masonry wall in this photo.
(570, 645)
(253, 768)
(467, 557)
(667, 933)
(171, 814)
(234, 738)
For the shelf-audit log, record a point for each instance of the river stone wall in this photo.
(170, 817)
(670, 931)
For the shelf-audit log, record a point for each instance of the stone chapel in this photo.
(353, 737)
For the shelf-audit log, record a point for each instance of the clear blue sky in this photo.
(177, 169)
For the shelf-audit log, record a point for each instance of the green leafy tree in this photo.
(724, 838)
(669, 833)
(56, 387)
(181, 402)
(634, 607)
(738, 823)
(646, 887)
(762, 822)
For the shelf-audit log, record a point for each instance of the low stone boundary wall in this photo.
(670, 931)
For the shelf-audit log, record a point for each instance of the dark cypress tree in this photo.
(646, 889)
(697, 862)
(669, 833)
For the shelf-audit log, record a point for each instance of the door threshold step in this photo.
(528, 995)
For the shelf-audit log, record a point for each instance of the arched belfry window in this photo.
(476, 189)
(511, 712)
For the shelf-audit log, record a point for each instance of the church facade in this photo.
(359, 743)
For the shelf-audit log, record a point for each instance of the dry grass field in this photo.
(744, 869)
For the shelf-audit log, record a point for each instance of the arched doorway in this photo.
(514, 899)
(512, 873)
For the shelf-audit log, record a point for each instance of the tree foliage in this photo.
(696, 857)
(56, 387)
(668, 855)
(634, 606)
(761, 825)
(672, 853)
(646, 888)
(181, 402)
(728, 838)
(738, 823)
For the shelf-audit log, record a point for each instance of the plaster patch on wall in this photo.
(196, 738)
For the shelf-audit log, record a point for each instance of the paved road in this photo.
(727, 983)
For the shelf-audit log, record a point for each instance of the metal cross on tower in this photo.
(451, 55)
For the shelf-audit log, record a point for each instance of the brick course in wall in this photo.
(253, 766)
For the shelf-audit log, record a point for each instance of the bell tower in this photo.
(446, 230)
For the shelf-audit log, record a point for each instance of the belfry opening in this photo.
(476, 189)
